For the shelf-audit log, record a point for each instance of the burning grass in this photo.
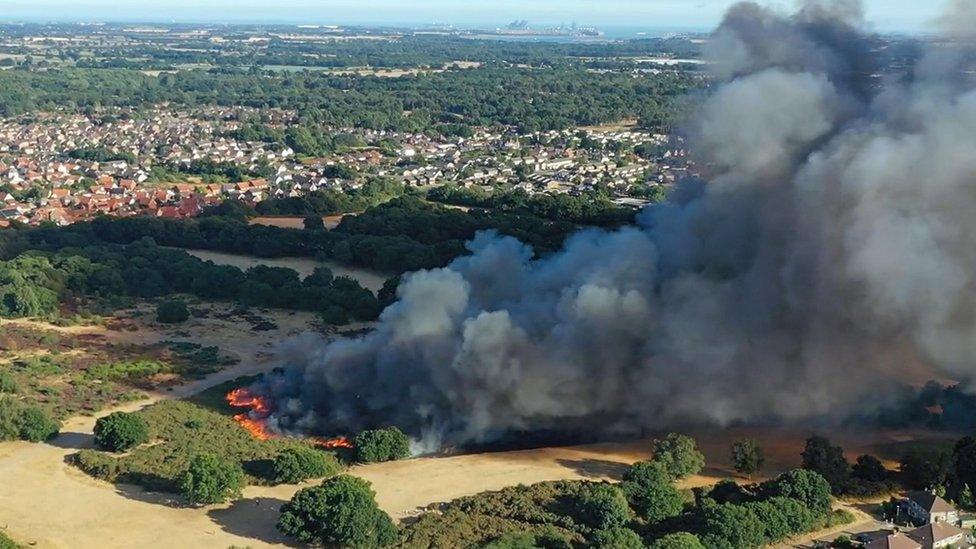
(227, 420)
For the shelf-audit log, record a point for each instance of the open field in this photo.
(295, 222)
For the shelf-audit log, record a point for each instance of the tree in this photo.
(678, 455)
(119, 431)
(731, 526)
(678, 540)
(313, 223)
(294, 465)
(211, 479)
(36, 426)
(603, 506)
(376, 445)
(808, 487)
(827, 460)
(747, 457)
(964, 460)
(617, 538)
(925, 468)
(965, 499)
(172, 311)
(651, 492)
(342, 512)
(869, 468)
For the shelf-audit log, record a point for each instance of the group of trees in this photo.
(948, 471)
(532, 100)
(35, 283)
(587, 209)
(867, 477)
(375, 190)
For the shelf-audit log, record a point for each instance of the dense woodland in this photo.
(529, 99)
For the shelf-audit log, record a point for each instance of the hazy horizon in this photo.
(664, 15)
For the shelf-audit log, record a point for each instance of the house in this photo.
(896, 540)
(927, 507)
(937, 535)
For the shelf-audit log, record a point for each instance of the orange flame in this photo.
(338, 442)
(255, 421)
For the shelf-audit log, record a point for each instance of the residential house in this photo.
(937, 535)
(896, 540)
(926, 507)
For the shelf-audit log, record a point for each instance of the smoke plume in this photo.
(831, 255)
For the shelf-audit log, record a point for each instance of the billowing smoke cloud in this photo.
(833, 251)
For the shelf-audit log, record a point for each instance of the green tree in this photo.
(869, 468)
(678, 540)
(172, 311)
(965, 499)
(747, 457)
(616, 538)
(731, 526)
(313, 222)
(603, 506)
(376, 445)
(806, 486)
(36, 425)
(651, 492)
(211, 479)
(822, 457)
(679, 455)
(341, 512)
(294, 465)
(925, 468)
(119, 431)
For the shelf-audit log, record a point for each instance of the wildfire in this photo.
(255, 420)
(338, 442)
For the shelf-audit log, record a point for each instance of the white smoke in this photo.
(834, 249)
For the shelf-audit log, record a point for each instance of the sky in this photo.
(882, 15)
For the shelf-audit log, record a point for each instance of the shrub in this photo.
(342, 512)
(36, 425)
(313, 223)
(603, 506)
(376, 445)
(7, 383)
(172, 312)
(211, 479)
(19, 421)
(679, 455)
(7, 543)
(295, 465)
(650, 492)
(119, 431)
(679, 540)
(617, 538)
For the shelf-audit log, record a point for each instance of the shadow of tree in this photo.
(595, 468)
(253, 518)
(139, 493)
(73, 441)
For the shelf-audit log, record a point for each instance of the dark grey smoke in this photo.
(831, 257)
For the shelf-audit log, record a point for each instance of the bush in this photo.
(617, 538)
(7, 383)
(376, 445)
(7, 543)
(295, 465)
(603, 506)
(19, 421)
(313, 223)
(36, 426)
(342, 512)
(211, 479)
(119, 431)
(679, 540)
(172, 312)
(679, 455)
(650, 492)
